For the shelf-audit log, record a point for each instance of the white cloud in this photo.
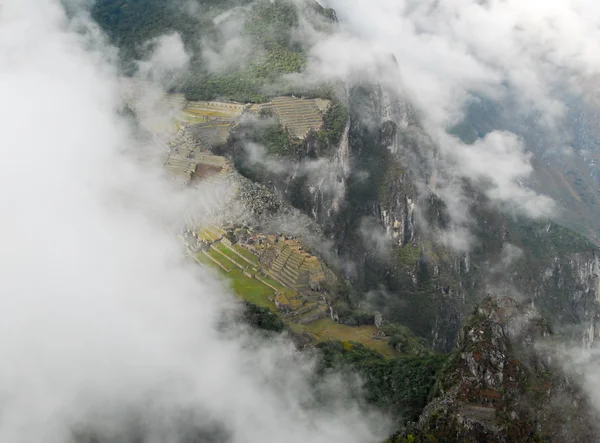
(499, 161)
(103, 323)
(167, 61)
(535, 53)
(232, 48)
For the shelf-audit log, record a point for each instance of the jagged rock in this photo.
(500, 386)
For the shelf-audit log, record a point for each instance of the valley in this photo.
(352, 224)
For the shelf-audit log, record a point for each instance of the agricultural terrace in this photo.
(188, 163)
(270, 276)
(271, 271)
(300, 116)
(210, 122)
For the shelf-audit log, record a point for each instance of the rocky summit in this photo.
(504, 383)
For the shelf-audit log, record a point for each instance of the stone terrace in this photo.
(299, 116)
(287, 263)
(211, 121)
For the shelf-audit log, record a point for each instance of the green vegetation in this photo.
(262, 318)
(544, 238)
(247, 254)
(268, 28)
(276, 140)
(203, 259)
(335, 120)
(270, 23)
(326, 329)
(131, 24)
(220, 259)
(403, 340)
(399, 386)
(250, 289)
(257, 293)
(408, 255)
(205, 234)
(393, 172)
(229, 253)
(277, 285)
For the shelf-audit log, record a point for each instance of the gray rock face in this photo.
(397, 213)
(499, 386)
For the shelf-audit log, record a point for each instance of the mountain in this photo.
(365, 175)
(421, 282)
(501, 385)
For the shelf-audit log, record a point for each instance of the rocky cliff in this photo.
(503, 383)
(374, 195)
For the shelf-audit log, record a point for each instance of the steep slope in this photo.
(239, 49)
(375, 197)
(501, 385)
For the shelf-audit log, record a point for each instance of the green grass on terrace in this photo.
(207, 235)
(251, 289)
(249, 255)
(205, 260)
(256, 292)
(247, 288)
(326, 329)
(191, 119)
(212, 113)
(276, 284)
(229, 253)
(222, 260)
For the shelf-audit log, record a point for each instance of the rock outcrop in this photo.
(503, 383)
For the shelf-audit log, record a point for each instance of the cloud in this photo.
(167, 61)
(375, 238)
(231, 47)
(324, 176)
(460, 46)
(536, 55)
(499, 162)
(582, 364)
(104, 325)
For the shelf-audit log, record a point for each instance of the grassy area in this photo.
(244, 287)
(191, 119)
(211, 113)
(273, 283)
(205, 234)
(408, 255)
(222, 260)
(247, 254)
(251, 289)
(205, 260)
(326, 329)
(256, 292)
(229, 253)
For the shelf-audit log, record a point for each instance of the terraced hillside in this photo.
(214, 110)
(187, 163)
(213, 133)
(287, 263)
(270, 271)
(210, 122)
(277, 287)
(299, 116)
(154, 108)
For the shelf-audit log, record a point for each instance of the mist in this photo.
(535, 55)
(105, 326)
